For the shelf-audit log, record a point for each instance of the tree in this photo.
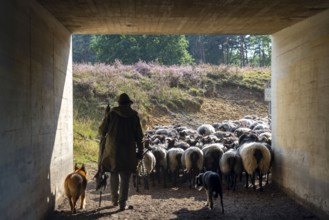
(262, 49)
(81, 49)
(239, 50)
(165, 49)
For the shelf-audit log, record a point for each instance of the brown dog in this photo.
(75, 186)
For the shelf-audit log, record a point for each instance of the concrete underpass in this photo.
(36, 113)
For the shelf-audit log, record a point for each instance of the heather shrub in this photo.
(155, 89)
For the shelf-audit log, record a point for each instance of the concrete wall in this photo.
(36, 110)
(300, 109)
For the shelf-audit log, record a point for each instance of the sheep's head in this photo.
(248, 137)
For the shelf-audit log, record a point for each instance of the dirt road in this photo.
(181, 202)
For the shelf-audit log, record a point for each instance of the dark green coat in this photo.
(123, 140)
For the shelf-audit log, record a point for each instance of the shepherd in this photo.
(122, 149)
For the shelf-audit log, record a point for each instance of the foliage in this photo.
(82, 52)
(240, 50)
(171, 89)
(166, 49)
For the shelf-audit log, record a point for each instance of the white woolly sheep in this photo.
(255, 158)
(231, 167)
(144, 169)
(161, 163)
(205, 129)
(192, 162)
(245, 123)
(174, 162)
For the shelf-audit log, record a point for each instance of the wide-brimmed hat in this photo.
(124, 99)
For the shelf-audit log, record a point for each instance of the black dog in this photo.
(210, 181)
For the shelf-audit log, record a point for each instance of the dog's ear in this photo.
(83, 168)
(76, 166)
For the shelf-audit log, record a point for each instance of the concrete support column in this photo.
(300, 110)
(36, 110)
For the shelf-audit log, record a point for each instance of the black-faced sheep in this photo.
(168, 132)
(228, 126)
(192, 162)
(242, 130)
(174, 143)
(174, 162)
(231, 167)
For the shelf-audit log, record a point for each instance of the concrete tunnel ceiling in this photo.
(181, 16)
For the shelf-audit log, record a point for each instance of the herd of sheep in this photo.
(233, 149)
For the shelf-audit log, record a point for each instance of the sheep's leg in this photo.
(134, 180)
(234, 181)
(247, 180)
(164, 177)
(253, 177)
(137, 182)
(260, 177)
(175, 176)
(227, 181)
(153, 179)
(190, 179)
(146, 183)
(267, 176)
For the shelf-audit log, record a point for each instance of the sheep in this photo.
(160, 154)
(211, 156)
(242, 130)
(187, 131)
(228, 126)
(265, 135)
(174, 162)
(265, 138)
(248, 137)
(168, 132)
(192, 162)
(230, 142)
(231, 167)
(173, 143)
(256, 157)
(205, 129)
(144, 169)
(245, 123)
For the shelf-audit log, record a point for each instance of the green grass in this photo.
(85, 139)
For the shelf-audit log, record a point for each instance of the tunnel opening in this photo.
(215, 78)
